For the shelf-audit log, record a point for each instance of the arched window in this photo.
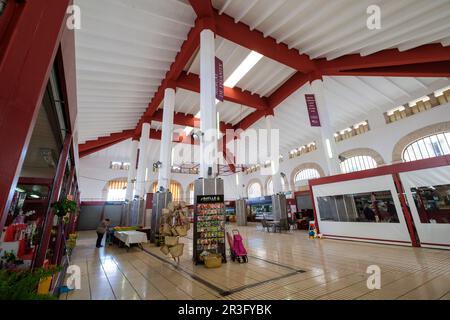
(358, 163)
(191, 193)
(428, 147)
(175, 189)
(269, 185)
(254, 190)
(301, 178)
(117, 190)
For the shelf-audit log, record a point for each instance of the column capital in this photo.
(314, 75)
(206, 23)
(146, 119)
(171, 84)
(269, 112)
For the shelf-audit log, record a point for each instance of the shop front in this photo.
(260, 208)
(404, 204)
(38, 95)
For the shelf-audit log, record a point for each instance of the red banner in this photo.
(219, 80)
(311, 105)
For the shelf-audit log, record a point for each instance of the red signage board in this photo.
(311, 105)
(219, 80)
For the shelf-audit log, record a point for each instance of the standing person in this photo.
(368, 213)
(101, 229)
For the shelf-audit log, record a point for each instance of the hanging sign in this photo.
(219, 80)
(311, 105)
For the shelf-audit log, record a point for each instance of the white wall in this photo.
(95, 172)
(382, 138)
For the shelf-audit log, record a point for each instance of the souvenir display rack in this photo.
(209, 227)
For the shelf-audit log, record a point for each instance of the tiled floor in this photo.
(333, 270)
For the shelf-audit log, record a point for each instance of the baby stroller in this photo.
(237, 249)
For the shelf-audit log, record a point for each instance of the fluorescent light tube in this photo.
(330, 153)
(188, 130)
(249, 62)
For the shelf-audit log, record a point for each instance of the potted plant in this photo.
(63, 208)
(23, 284)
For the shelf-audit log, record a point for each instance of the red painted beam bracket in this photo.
(241, 34)
(191, 82)
(387, 58)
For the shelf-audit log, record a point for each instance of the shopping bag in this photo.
(166, 230)
(170, 241)
(177, 250)
(165, 250)
(181, 231)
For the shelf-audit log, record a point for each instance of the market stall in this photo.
(428, 195)
(131, 237)
(361, 209)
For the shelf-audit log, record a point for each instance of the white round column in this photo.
(132, 170)
(142, 161)
(165, 155)
(276, 176)
(208, 110)
(326, 130)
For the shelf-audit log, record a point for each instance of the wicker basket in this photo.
(165, 250)
(177, 250)
(170, 241)
(213, 261)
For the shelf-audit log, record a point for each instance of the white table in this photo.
(131, 237)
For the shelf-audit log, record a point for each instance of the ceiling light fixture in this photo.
(188, 130)
(34, 196)
(249, 62)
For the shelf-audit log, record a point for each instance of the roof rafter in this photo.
(191, 82)
(241, 34)
(387, 58)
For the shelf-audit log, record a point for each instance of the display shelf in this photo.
(209, 226)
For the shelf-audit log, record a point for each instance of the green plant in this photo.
(63, 207)
(22, 285)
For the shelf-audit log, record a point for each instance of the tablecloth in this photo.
(131, 237)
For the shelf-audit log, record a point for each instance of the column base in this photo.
(160, 201)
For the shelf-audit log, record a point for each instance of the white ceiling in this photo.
(125, 48)
(324, 28)
(350, 100)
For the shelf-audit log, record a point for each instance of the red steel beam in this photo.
(27, 51)
(202, 8)
(95, 146)
(88, 145)
(56, 190)
(385, 58)
(191, 82)
(430, 69)
(85, 153)
(289, 87)
(241, 34)
(187, 120)
(189, 47)
(249, 120)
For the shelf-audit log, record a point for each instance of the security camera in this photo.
(157, 165)
(197, 134)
